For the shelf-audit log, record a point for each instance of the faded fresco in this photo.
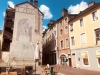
(24, 30)
(24, 47)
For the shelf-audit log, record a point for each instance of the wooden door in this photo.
(70, 63)
(73, 60)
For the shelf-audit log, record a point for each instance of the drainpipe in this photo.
(69, 42)
(57, 48)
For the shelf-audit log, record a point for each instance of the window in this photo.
(85, 58)
(55, 42)
(98, 57)
(65, 20)
(85, 61)
(97, 34)
(60, 23)
(61, 31)
(66, 29)
(55, 32)
(94, 16)
(83, 38)
(52, 35)
(81, 23)
(61, 44)
(71, 27)
(67, 43)
(72, 41)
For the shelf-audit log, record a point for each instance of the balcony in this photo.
(5, 47)
(7, 34)
(9, 22)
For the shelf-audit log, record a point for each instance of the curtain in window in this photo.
(81, 22)
(61, 44)
(67, 42)
(71, 26)
(72, 40)
(66, 29)
(95, 13)
(83, 38)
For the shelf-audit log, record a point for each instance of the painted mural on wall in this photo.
(24, 30)
(24, 47)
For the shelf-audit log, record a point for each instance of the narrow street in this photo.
(76, 71)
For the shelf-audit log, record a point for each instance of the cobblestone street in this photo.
(76, 71)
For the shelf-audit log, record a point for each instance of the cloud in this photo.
(44, 27)
(77, 8)
(46, 11)
(4, 13)
(11, 4)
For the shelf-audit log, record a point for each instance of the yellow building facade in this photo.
(84, 38)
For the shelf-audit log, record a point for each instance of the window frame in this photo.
(82, 22)
(88, 59)
(97, 59)
(65, 20)
(66, 42)
(81, 38)
(60, 31)
(95, 37)
(62, 44)
(71, 41)
(66, 31)
(95, 16)
(60, 23)
(71, 27)
(55, 32)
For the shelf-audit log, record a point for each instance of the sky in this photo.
(50, 8)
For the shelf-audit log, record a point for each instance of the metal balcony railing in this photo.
(9, 24)
(7, 34)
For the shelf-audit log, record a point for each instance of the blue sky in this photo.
(50, 8)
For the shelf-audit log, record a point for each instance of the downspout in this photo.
(69, 41)
(57, 47)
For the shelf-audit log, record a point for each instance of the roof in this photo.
(58, 20)
(64, 17)
(31, 5)
(86, 11)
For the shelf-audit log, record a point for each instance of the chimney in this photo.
(36, 3)
(91, 3)
(51, 22)
(64, 12)
(31, 1)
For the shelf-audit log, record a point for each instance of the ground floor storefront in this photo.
(87, 58)
(64, 57)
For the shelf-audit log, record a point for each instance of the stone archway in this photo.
(63, 59)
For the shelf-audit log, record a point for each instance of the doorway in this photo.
(63, 60)
(70, 63)
(73, 60)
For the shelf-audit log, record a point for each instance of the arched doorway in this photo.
(63, 60)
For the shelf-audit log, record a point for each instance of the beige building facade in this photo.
(22, 34)
(84, 38)
(50, 44)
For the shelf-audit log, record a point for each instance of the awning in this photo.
(84, 55)
(98, 54)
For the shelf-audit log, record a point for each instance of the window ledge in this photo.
(86, 65)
